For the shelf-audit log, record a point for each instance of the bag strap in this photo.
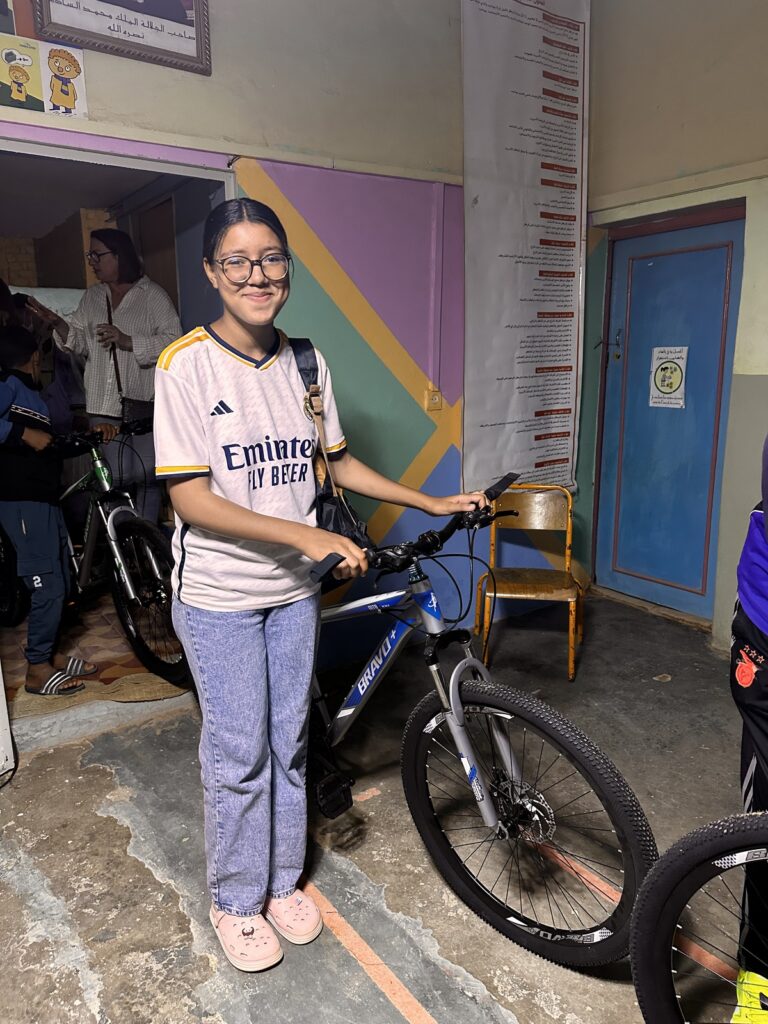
(306, 361)
(113, 353)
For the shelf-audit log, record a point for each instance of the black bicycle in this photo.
(529, 823)
(138, 557)
(699, 943)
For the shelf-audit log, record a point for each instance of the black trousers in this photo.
(38, 534)
(749, 688)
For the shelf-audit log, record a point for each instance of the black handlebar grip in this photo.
(500, 486)
(321, 569)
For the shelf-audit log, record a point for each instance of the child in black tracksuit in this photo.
(30, 474)
(749, 687)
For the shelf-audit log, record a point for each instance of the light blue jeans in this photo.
(253, 672)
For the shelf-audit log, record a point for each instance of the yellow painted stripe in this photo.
(164, 360)
(385, 979)
(448, 433)
(334, 280)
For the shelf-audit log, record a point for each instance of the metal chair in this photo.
(539, 507)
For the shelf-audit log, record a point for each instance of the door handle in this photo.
(616, 344)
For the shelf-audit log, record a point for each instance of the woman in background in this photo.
(133, 317)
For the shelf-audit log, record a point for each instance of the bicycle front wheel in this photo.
(699, 944)
(560, 876)
(147, 621)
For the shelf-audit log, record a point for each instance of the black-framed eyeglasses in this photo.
(238, 269)
(94, 256)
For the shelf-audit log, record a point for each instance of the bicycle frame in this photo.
(416, 606)
(98, 482)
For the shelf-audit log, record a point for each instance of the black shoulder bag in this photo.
(334, 512)
(132, 408)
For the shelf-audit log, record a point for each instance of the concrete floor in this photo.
(102, 901)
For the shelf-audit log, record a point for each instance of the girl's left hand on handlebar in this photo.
(454, 503)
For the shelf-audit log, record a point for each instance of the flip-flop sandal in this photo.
(55, 686)
(77, 668)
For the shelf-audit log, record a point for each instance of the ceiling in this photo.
(38, 193)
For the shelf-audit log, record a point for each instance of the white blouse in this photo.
(147, 315)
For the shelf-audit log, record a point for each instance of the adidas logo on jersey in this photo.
(221, 408)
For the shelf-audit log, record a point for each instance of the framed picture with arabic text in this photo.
(171, 32)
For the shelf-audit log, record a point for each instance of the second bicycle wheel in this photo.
(147, 622)
(560, 878)
(696, 956)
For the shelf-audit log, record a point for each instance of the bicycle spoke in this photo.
(564, 889)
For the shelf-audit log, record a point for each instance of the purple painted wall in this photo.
(415, 283)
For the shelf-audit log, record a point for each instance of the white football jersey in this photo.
(241, 422)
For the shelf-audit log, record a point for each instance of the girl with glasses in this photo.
(237, 448)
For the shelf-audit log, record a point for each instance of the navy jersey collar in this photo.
(242, 355)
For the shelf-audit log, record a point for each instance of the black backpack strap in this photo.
(306, 360)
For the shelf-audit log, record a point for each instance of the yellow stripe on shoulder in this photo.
(166, 356)
(180, 470)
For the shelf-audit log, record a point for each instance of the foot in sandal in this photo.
(45, 680)
(248, 942)
(295, 917)
(74, 666)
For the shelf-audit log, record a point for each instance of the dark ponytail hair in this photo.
(237, 211)
(128, 262)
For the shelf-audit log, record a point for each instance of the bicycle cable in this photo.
(473, 558)
(124, 442)
(451, 621)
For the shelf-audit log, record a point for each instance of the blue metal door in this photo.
(662, 464)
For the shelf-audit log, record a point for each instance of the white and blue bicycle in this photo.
(527, 821)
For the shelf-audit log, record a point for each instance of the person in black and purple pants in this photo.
(749, 687)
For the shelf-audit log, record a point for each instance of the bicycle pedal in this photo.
(333, 793)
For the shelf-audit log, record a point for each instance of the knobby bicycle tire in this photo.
(569, 946)
(148, 626)
(668, 893)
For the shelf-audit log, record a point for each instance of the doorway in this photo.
(672, 326)
(54, 196)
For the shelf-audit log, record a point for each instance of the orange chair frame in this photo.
(526, 584)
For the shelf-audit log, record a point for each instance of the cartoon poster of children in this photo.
(61, 67)
(20, 83)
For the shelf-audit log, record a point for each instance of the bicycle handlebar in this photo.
(80, 440)
(397, 557)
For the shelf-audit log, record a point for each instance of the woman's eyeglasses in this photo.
(238, 269)
(95, 256)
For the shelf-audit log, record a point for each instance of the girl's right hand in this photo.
(321, 543)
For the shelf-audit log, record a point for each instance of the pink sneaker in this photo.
(248, 942)
(296, 917)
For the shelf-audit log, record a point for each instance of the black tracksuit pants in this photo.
(749, 687)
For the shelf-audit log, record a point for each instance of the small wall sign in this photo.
(668, 368)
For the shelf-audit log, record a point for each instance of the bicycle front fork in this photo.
(454, 717)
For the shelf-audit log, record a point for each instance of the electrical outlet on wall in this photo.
(433, 399)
